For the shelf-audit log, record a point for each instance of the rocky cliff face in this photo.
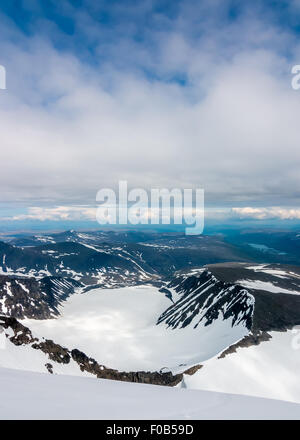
(22, 297)
(202, 298)
(263, 297)
(275, 289)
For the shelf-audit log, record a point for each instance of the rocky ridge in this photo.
(18, 334)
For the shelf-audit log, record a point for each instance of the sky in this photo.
(160, 93)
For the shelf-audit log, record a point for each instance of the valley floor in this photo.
(118, 327)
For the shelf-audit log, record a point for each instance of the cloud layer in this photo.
(57, 213)
(194, 95)
(267, 213)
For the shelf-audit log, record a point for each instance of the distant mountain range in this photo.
(100, 259)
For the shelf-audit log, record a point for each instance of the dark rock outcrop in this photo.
(49, 367)
(91, 366)
(22, 335)
(56, 352)
(247, 341)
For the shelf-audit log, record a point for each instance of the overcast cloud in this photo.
(192, 94)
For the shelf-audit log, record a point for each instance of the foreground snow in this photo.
(270, 369)
(27, 395)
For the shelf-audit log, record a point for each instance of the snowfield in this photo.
(270, 369)
(118, 328)
(27, 395)
(265, 285)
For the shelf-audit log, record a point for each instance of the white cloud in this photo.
(267, 213)
(144, 215)
(57, 213)
(69, 129)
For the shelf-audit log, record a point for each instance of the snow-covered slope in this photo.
(270, 369)
(24, 357)
(26, 395)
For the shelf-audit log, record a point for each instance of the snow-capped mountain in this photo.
(190, 319)
(33, 297)
(264, 297)
(100, 259)
(89, 260)
(275, 289)
(151, 309)
(201, 297)
(69, 259)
